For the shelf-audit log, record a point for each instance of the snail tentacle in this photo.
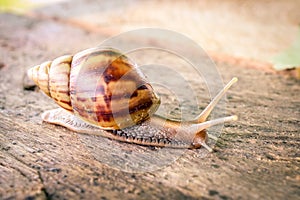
(205, 113)
(194, 128)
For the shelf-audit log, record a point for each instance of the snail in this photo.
(102, 92)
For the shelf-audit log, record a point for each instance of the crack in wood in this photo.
(2, 65)
(43, 189)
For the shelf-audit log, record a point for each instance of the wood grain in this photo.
(255, 157)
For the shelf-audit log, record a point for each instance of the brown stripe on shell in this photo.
(63, 101)
(61, 91)
(64, 104)
(101, 111)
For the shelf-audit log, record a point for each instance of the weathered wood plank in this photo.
(255, 157)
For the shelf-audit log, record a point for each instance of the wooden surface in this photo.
(256, 157)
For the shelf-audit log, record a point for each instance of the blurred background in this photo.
(263, 32)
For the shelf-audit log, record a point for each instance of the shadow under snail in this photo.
(102, 92)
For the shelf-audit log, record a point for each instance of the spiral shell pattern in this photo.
(101, 86)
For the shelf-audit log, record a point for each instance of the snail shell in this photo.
(101, 91)
(91, 82)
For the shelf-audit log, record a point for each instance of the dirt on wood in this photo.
(256, 157)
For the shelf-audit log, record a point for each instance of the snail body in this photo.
(102, 92)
